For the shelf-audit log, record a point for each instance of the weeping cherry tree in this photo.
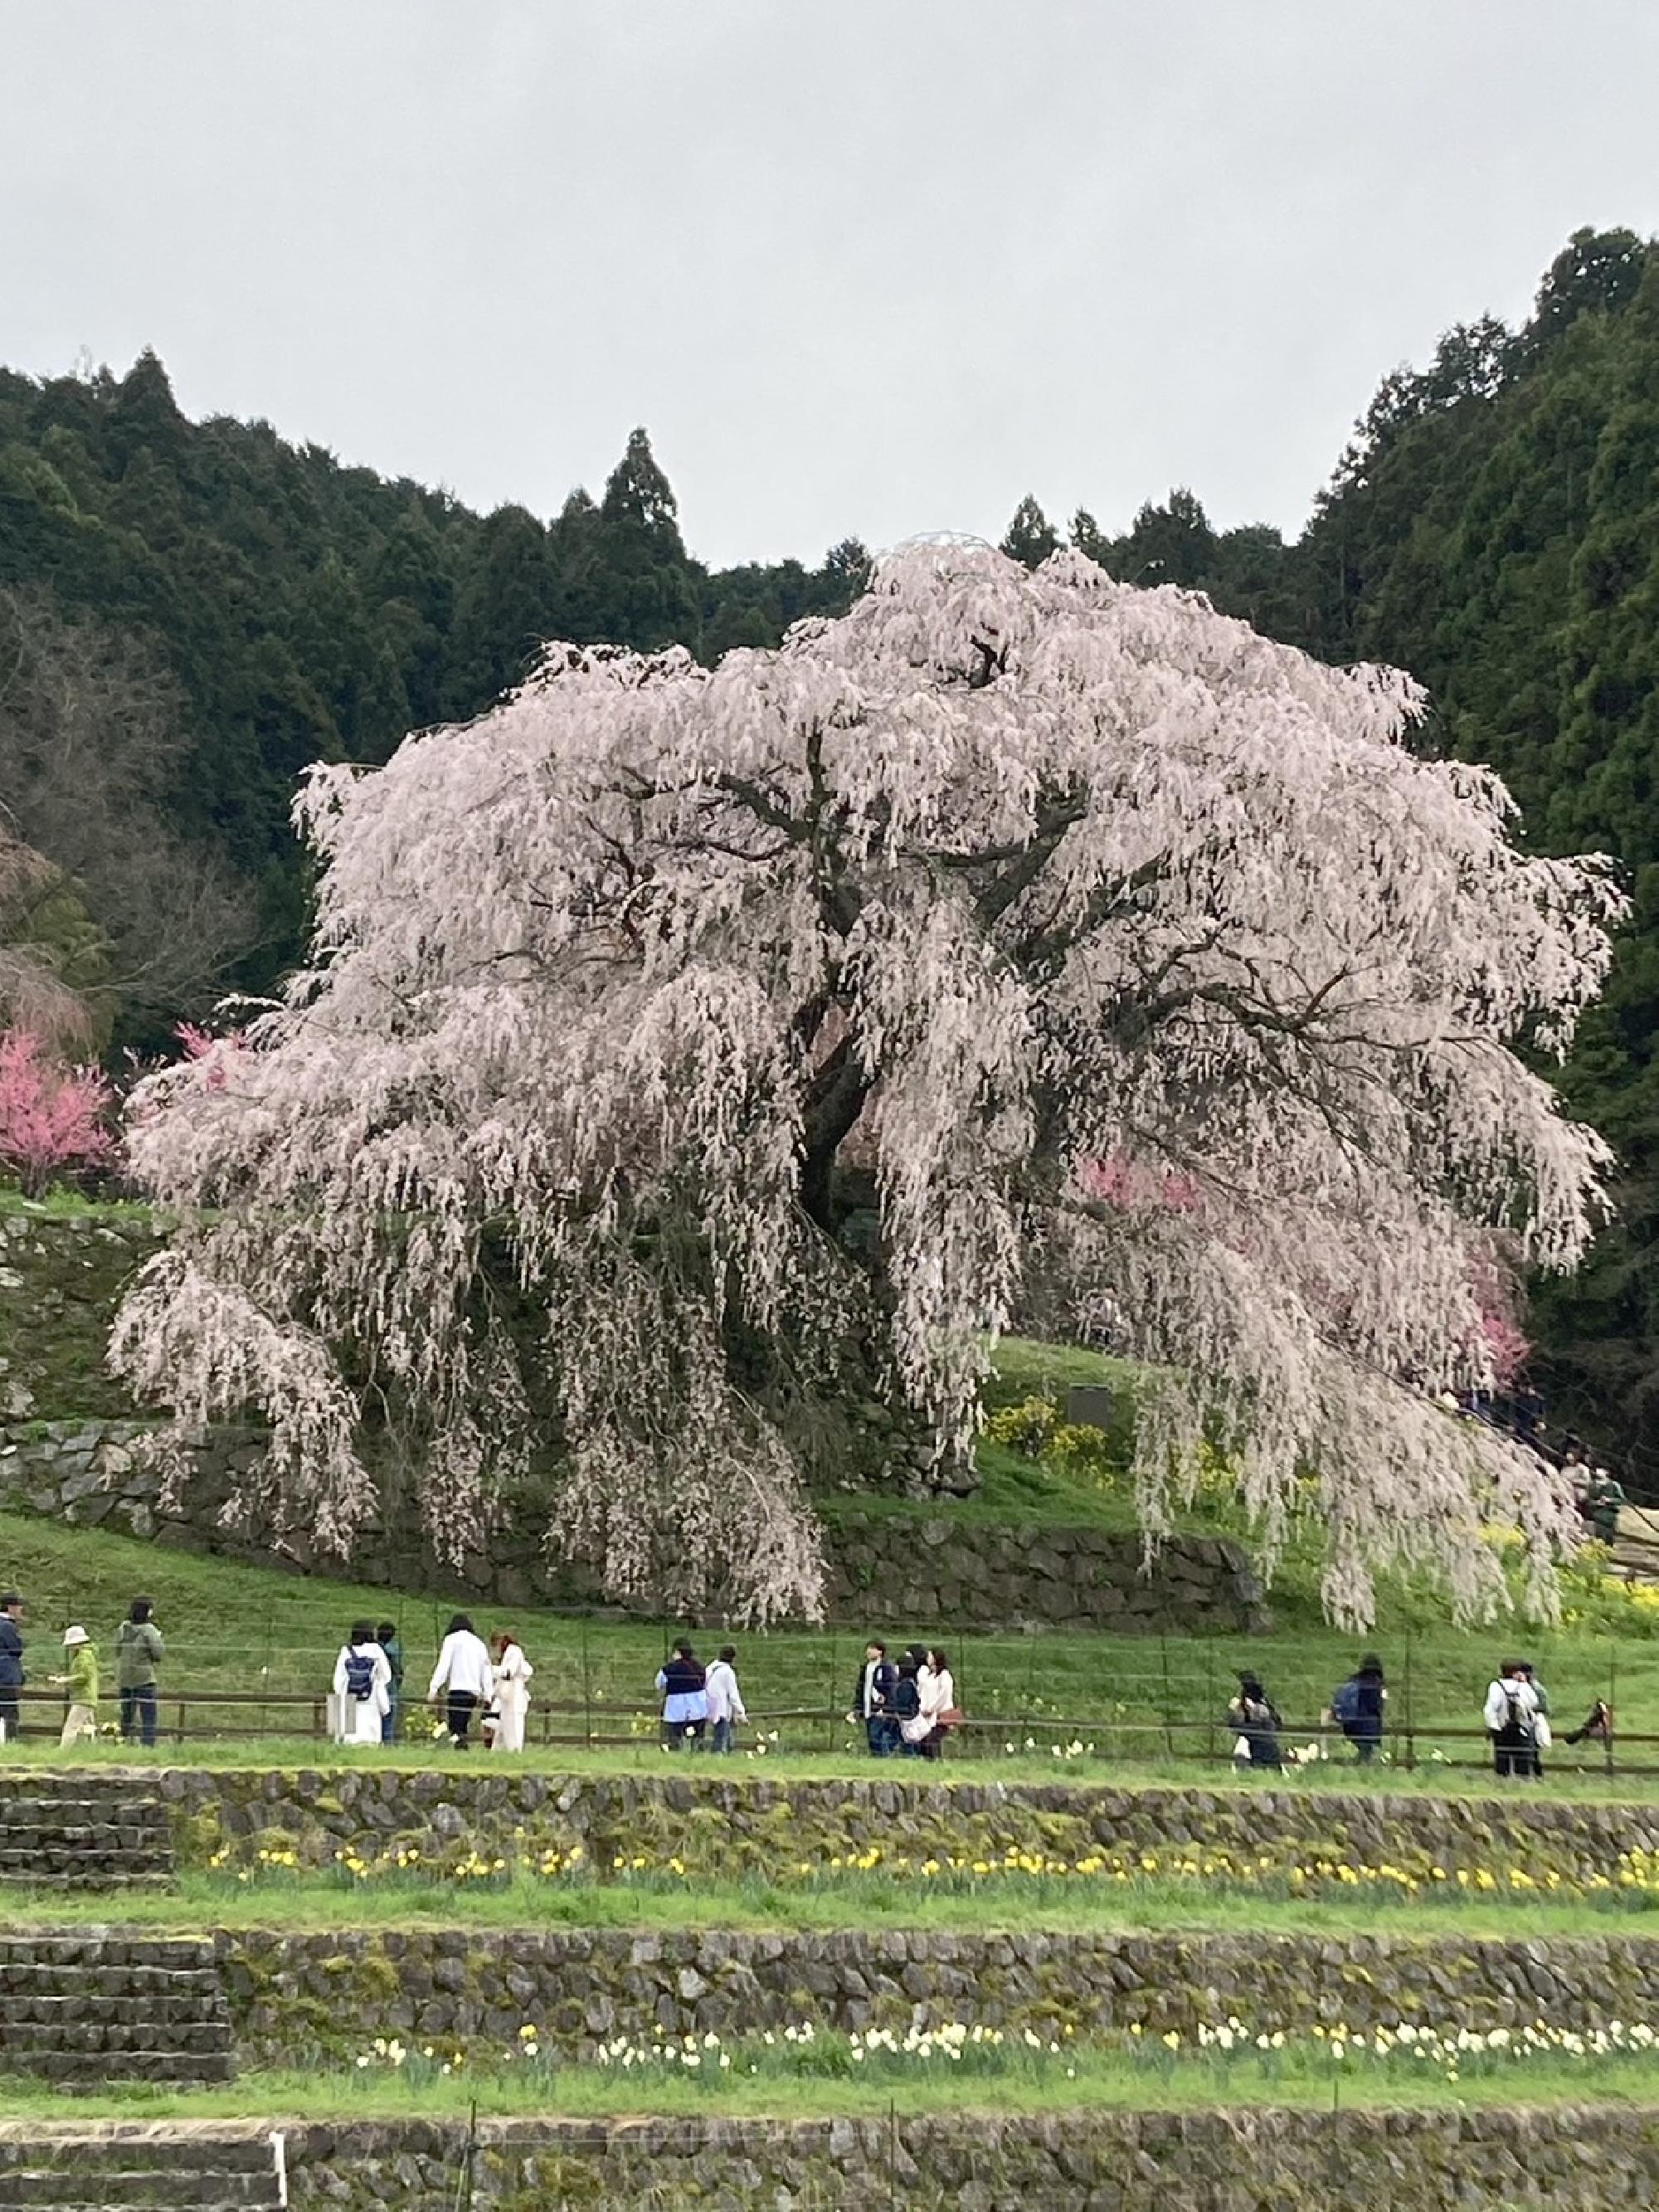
(1118, 953)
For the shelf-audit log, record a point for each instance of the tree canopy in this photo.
(1104, 939)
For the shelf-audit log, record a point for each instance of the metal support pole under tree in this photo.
(1169, 1731)
(1411, 1739)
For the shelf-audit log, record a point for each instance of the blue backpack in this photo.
(1345, 1704)
(360, 1676)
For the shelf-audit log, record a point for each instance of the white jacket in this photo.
(1498, 1704)
(938, 1691)
(725, 1698)
(462, 1665)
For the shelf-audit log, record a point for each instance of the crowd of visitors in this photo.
(139, 1652)
(1515, 1716)
(908, 1709)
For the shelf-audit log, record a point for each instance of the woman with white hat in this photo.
(81, 1654)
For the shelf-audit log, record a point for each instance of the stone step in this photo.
(118, 2191)
(72, 2009)
(87, 1878)
(26, 1983)
(21, 2042)
(142, 2170)
(92, 2069)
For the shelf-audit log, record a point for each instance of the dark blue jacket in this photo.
(11, 1653)
(1367, 1719)
(881, 1689)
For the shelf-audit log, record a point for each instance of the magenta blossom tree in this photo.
(998, 878)
(52, 1118)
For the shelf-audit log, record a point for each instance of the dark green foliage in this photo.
(312, 612)
(1495, 528)
(1031, 538)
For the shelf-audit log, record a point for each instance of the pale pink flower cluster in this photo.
(1062, 895)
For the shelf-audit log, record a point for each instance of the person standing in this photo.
(1603, 1496)
(685, 1691)
(138, 1654)
(1356, 1707)
(1254, 1718)
(12, 1677)
(726, 1705)
(1542, 1734)
(937, 1689)
(513, 1678)
(912, 1726)
(1510, 1711)
(81, 1657)
(872, 1700)
(362, 1687)
(391, 1644)
(463, 1677)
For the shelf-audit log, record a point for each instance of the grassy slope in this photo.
(225, 1623)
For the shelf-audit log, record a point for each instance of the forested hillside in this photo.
(1494, 527)
(299, 609)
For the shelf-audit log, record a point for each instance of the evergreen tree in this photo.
(1031, 538)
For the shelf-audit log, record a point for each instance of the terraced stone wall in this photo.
(720, 1826)
(1583, 2159)
(332, 1993)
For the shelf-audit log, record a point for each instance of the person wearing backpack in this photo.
(1357, 1705)
(1512, 1717)
(362, 1687)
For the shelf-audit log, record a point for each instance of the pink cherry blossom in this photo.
(1138, 962)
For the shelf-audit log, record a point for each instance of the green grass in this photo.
(1012, 1905)
(1099, 2081)
(250, 1630)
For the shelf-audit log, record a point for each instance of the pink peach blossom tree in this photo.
(1121, 948)
(53, 1117)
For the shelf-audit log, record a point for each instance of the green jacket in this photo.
(138, 1646)
(84, 1674)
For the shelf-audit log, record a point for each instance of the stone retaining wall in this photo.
(912, 1567)
(720, 1826)
(72, 1450)
(329, 1994)
(1574, 2158)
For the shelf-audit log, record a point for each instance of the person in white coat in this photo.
(1511, 1718)
(937, 1690)
(726, 1705)
(362, 1687)
(463, 1677)
(513, 1672)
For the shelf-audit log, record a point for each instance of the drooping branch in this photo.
(1142, 955)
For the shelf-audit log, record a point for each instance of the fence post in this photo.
(1612, 1692)
(587, 1694)
(1410, 1737)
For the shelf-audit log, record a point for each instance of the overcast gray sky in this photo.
(859, 267)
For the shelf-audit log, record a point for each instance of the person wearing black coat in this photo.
(11, 1661)
(1255, 1723)
(872, 1700)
